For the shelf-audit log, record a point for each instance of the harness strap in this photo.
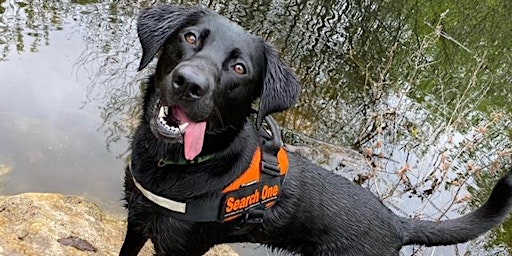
(198, 210)
(167, 203)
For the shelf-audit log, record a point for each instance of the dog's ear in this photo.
(159, 23)
(281, 87)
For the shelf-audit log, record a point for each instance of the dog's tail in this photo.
(467, 227)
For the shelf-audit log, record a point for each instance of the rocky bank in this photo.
(52, 224)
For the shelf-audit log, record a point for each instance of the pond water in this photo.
(422, 88)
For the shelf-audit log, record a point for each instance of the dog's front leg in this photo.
(133, 241)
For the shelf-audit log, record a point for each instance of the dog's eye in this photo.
(239, 68)
(190, 38)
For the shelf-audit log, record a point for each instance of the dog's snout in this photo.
(188, 83)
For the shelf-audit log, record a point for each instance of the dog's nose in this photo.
(188, 83)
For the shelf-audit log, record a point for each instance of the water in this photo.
(49, 137)
(425, 85)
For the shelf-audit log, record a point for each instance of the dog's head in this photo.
(209, 72)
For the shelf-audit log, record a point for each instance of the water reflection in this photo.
(422, 88)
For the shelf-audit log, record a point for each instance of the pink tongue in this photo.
(194, 134)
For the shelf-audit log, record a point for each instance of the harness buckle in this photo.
(270, 166)
(253, 216)
(247, 222)
(271, 145)
(271, 139)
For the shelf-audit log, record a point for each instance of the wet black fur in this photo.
(318, 212)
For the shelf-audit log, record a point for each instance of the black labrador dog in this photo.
(199, 133)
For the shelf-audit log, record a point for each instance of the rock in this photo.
(54, 224)
(221, 250)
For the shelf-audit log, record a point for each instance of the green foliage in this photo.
(469, 33)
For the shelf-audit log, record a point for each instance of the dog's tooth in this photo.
(166, 110)
(161, 113)
(171, 128)
(183, 126)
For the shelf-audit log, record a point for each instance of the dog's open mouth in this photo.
(172, 123)
(170, 127)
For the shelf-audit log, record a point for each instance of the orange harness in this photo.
(258, 187)
(254, 191)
